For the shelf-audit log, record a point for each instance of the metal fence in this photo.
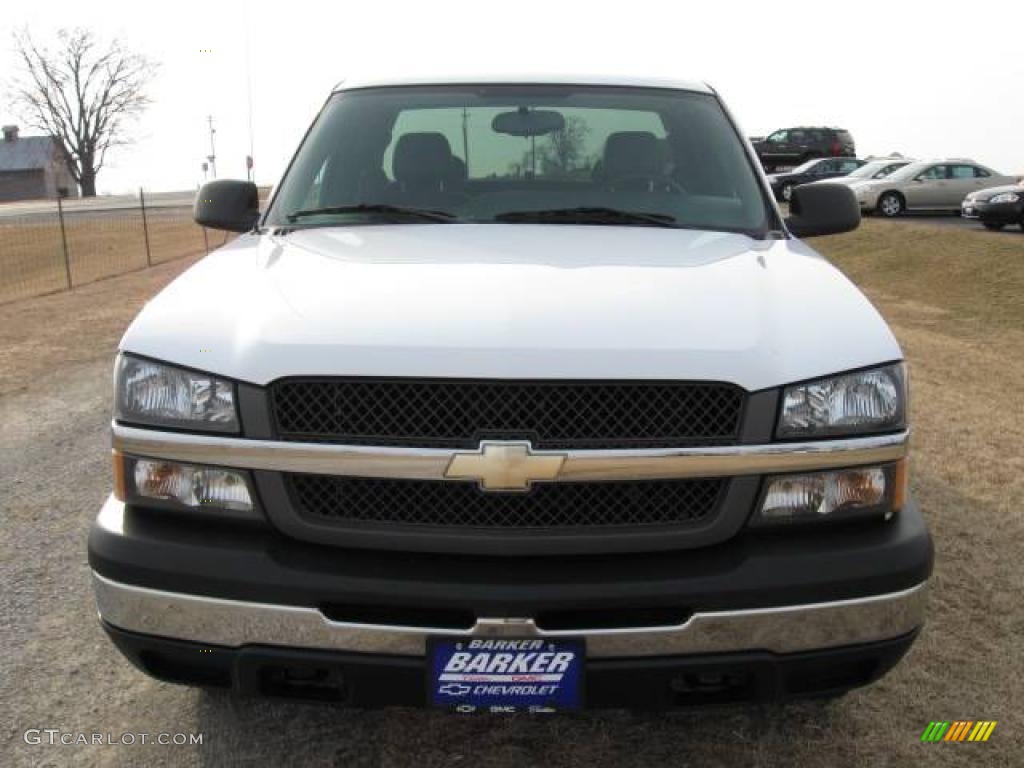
(48, 247)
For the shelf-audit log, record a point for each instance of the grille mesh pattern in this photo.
(328, 498)
(458, 414)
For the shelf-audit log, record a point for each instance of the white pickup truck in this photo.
(520, 395)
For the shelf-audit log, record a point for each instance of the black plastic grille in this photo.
(458, 413)
(328, 498)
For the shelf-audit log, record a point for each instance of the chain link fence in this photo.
(49, 247)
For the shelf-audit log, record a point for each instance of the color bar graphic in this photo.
(958, 730)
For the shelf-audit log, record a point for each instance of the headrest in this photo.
(422, 158)
(632, 153)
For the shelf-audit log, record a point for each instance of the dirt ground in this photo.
(954, 299)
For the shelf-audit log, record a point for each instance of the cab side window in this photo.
(848, 166)
(934, 173)
(779, 137)
(963, 172)
(981, 173)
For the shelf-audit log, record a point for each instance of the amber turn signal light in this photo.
(900, 485)
(120, 481)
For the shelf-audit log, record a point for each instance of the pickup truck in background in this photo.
(519, 396)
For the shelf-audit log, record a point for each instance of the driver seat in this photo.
(633, 161)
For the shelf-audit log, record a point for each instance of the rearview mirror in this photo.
(226, 204)
(822, 209)
(528, 122)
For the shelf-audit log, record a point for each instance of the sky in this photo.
(925, 78)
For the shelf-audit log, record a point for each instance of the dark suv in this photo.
(792, 146)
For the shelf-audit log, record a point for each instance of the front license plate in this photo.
(483, 674)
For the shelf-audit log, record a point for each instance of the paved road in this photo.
(106, 203)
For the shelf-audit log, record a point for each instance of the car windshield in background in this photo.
(530, 154)
(877, 169)
(805, 167)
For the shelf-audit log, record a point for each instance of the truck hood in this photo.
(513, 301)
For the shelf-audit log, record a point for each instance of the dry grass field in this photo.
(954, 299)
(101, 244)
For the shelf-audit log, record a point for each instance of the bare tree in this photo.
(564, 149)
(82, 94)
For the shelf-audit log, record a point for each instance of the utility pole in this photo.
(248, 89)
(212, 157)
(465, 138)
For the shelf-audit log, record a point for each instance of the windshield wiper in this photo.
(378, 208)
(591, 215)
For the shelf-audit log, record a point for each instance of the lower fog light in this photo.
(192, 486)
(845, 494)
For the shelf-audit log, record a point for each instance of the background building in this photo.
(32, 168)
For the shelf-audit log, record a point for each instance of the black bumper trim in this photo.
(372, 681)
(752, 570)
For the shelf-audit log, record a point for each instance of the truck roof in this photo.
(523, 79)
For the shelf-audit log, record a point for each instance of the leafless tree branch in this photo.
(83, 96)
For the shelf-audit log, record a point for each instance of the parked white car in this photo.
(873, 170)
(520, 395)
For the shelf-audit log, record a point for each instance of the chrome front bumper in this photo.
(784, 629)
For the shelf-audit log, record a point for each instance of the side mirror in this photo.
(822, 209)
(227, 204)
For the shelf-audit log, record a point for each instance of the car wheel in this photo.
(890, 204)
(787, 192)
(995, 226)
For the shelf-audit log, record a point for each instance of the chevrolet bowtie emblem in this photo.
(504, 466)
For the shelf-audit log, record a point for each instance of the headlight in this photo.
(847, 494)
(164, 396)
(183, 486)
(868, 401)
(1005, 197)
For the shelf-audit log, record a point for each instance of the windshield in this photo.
(533, 154)
(805, 167)
(876, 169)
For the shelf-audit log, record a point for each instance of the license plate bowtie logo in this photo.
(505, 466)
(958, 730)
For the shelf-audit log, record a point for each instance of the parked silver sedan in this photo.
(933, 185)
